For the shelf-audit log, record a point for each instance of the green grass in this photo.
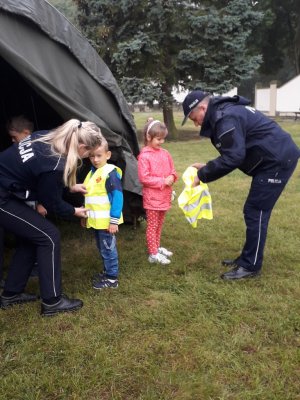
(175, 332)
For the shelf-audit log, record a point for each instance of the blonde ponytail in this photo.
(65, 141)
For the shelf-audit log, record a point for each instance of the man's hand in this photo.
(196, 181)
(198, 165)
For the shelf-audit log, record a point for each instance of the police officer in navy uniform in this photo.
(1, 258)
(19, 127)
(248, 140)
(38, 168)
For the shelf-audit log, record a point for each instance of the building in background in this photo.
(283, 100)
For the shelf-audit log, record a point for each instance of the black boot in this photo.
(19, 298)
(239, 273)
(64, 304)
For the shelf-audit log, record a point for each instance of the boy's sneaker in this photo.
(165, 252)
(106, 283)
(98, 276)
(158, 258)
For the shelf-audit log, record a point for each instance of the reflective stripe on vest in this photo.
(97, 200)
(195, 202)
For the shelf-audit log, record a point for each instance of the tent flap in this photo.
(58, 67)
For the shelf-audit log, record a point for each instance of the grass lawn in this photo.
(168, 332)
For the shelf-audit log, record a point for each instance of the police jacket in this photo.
(245, 138)
(29, 171)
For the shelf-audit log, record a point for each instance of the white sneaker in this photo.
(158, 258)
(165, 252)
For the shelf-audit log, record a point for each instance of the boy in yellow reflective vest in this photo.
(104, 199)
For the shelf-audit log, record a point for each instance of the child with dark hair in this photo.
(19, 128)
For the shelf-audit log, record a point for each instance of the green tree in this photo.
(278, 37)
(154, 46)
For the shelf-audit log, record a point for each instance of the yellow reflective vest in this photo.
(96, 199)
(195, 202)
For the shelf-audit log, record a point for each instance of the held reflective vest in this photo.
(195, 202)
(97, 199)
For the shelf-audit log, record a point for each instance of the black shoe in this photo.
(229, 262)
(63, 305)
(17, 299)
(239, 273)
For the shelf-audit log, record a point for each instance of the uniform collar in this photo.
(205, 130)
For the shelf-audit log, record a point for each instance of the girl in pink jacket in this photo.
(157, 175)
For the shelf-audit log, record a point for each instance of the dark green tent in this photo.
(50, 73)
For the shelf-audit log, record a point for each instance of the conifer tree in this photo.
(278, 38)
(153, 46)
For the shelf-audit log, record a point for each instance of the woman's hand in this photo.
(81, 212)
(78, 188)
(41, 210)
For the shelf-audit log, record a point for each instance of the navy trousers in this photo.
(39, 241)
(266, 187)
(1, 252)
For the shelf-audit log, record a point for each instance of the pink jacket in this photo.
(154, 165)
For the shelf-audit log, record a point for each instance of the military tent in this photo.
(50, 73)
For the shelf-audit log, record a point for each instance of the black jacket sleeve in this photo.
(229, 138)
(49, 194)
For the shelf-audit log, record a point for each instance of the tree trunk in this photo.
(169, 121)
(168, 115)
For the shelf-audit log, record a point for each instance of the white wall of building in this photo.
(286, 98)
(262, 99)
